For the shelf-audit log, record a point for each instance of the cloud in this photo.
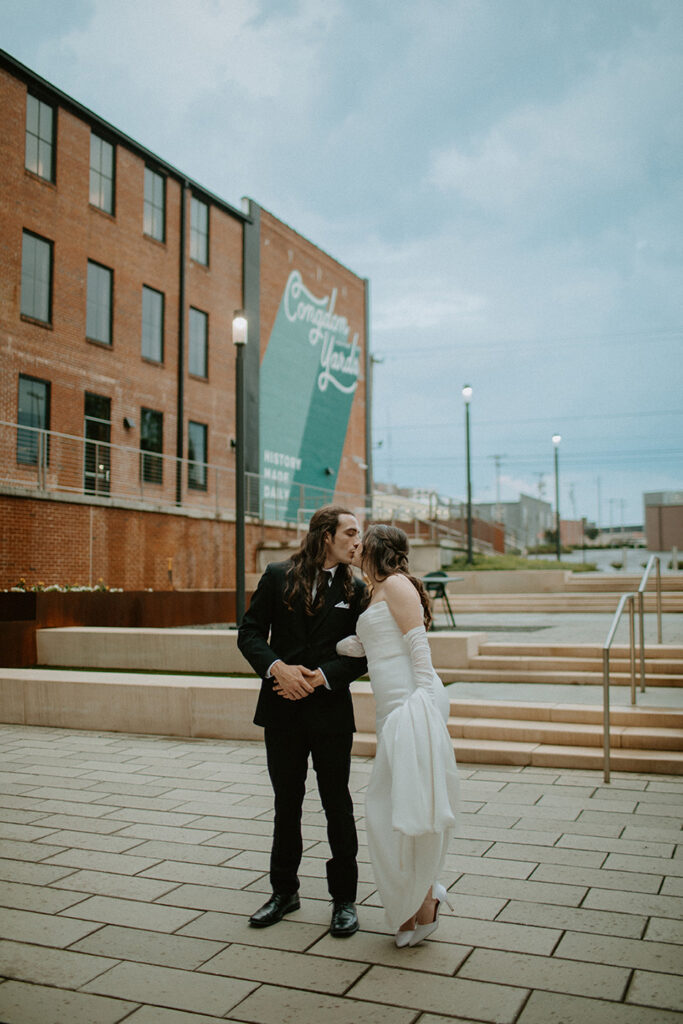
(603, 135)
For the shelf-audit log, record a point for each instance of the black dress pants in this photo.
(288, 751)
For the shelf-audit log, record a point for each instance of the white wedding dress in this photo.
(411, 800)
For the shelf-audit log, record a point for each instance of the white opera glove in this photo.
(421, 659)
(351, 647)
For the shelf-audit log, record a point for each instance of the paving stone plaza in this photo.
(129, 866)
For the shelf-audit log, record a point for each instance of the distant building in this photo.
(664, 520)
(525, 520)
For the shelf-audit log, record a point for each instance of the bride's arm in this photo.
(351, 647)
(406, 607)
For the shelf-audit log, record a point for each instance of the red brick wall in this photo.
(51, 542)
(60, 353)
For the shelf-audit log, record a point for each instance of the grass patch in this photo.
(509, 561)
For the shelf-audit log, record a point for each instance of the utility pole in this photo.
(540, 486)
(497, 460)
(599, 519)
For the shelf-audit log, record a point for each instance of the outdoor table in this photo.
(435, 584)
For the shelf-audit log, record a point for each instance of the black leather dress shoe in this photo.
(274, 910)
(344, 919)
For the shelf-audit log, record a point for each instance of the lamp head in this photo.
(556, 439)
(467, 393)
(239, 327)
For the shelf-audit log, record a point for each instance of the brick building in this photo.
(664, 520)
(119, 277)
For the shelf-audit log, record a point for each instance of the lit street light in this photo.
(239, 340)
(556, 443)
(467, 396)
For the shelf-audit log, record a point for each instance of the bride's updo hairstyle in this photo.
(385, 553)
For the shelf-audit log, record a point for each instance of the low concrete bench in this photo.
(137, 702)
(192, 650)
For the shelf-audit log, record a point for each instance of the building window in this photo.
(154, 214)
(199, 231)
(36, 278)
(101, 173)
(33, 412)
(96, 472)
(151, 440)
(40, 138)
(197, 456)
(98, 317)
(152, 324)
(199, 347)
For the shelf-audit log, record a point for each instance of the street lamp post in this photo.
(556, 444)
(467, 395)
(239, 340)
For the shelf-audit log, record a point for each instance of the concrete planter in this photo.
(22, 613)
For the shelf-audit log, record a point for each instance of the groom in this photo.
(299, 611)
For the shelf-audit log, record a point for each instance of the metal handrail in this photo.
(623, 600)
(652, 561)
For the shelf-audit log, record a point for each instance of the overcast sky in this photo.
(507, 173)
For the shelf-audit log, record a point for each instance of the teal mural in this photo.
(309, 375)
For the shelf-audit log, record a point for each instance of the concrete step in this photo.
(587, 582)
(474, 674)
(561, 602)
(665, 762)
(623, 715)
(643, 739)
(652, 651)
(546, 755)
(564, 733)
(575, 664)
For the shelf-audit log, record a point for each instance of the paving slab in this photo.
(21, 1003)
(554, 1008)
(149, 947)
(167, 986)
(129, 866)
(548, 973)
(495, 1003)
(663, 991)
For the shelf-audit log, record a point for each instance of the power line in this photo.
(449, 424)
(537, 345)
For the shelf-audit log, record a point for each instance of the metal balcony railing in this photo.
(52, 463)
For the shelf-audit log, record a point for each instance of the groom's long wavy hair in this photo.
(385, 552)
(307, 563)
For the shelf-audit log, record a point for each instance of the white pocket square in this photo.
(342, 604)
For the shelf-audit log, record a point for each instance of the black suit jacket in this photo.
(270, 631)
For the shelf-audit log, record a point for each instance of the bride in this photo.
(412, 796)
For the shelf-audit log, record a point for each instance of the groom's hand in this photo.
(290, 681)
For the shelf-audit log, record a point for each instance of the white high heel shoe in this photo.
(403, 936)
(402, 939)
(423, 930)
